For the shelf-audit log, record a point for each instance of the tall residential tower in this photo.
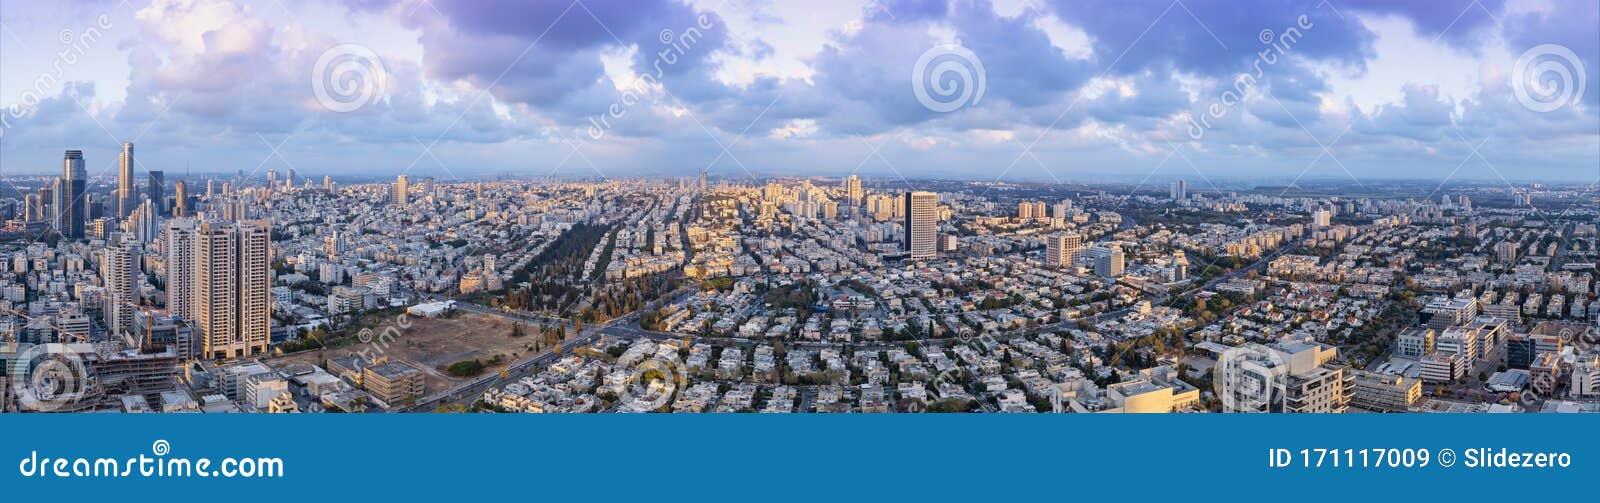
(232, 305)
(922, 224)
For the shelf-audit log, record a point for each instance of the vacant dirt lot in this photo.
(431, 344)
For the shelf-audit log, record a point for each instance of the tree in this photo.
(465, 368)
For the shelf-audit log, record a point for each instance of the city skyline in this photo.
(1176, 275)
(1051, 90)
(789, 295)
(1350, 236)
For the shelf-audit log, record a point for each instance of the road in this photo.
(515, 315)
(627, 327)
(469, 391)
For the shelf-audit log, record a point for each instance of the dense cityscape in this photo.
(275, 292)
(932, 250)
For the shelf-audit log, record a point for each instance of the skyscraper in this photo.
(1180, 266)
(47, 203)
(127, 192)
(180, 264)
(143, 223)
(59, 203)
(33, 208)
(158, 191)
(1179, 190)
(232, 305)
(922, 225)
(1321, 218)
(180, 199)
(401, 190)
(255, 284)
(1062, 250)
(1108, 260)
(69, 197)
(119, 270)
(852, 190)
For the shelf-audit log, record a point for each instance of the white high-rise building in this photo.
(144, 222)
(1180, 266)
(852, 190)
(119, 269)
(232, 301)
(1061, 209)
(922, 225)
(1179, 190)
(1108, 261)
(1321, 218)
(180, 264)
(1062, 250)
(255, 283)
(216, 298)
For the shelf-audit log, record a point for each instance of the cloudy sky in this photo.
(1013, 89)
